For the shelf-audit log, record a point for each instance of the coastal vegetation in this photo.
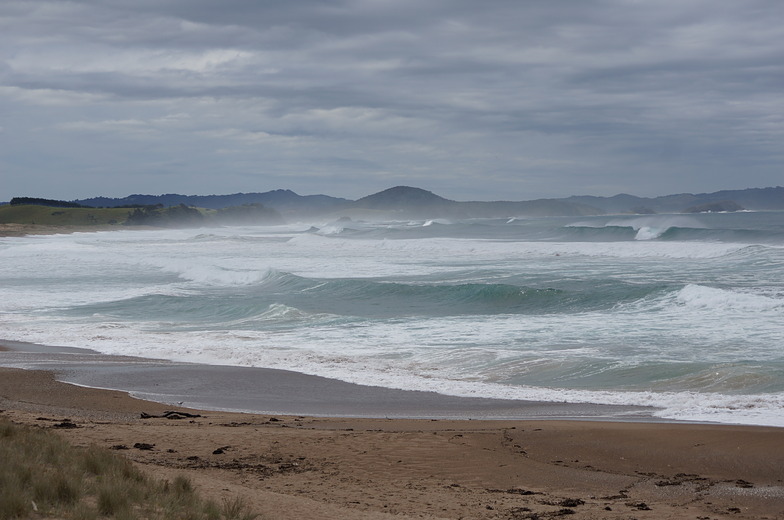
(42, 476)
(182, 215)
(150, 215)
(175, 216)
(61, 216)
(22, 201)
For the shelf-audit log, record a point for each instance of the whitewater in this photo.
(684, 313)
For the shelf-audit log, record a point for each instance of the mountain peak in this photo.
(401, 197)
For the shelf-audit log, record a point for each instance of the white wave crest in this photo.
(649, 233)
(709, 298)
(331, 229)
(212, 274)
(442, 221)
(652, 226)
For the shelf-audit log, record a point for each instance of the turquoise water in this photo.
(683, 312)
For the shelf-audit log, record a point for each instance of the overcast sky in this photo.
(474, 100)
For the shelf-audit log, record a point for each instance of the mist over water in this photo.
(682, 312)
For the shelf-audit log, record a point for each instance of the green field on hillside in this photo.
(50, 216)
(180, 216)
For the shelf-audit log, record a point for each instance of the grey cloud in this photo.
(593, 95)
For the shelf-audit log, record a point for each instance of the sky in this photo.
(473, 100)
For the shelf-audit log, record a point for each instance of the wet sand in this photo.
(298, 466)
(260, 390)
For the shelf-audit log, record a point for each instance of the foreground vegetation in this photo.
(42, 476)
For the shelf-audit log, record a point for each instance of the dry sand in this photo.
(305, 467)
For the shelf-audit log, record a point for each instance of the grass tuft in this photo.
(57, 489)
(237, 509)
(182, 486)
(12, 505)
(41, 475)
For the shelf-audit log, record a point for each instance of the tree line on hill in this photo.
(188, 216)
(34, 201)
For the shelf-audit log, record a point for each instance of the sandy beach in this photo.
(297, 466)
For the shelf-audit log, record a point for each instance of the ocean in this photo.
(681, 312)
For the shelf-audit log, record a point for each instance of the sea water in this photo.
(681, 312)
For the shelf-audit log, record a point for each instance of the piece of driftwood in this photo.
(170, 415)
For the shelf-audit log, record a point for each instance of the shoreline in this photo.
(264, 390)
(13, 229)
(292, 467)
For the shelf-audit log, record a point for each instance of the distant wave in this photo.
(670, 228)
(637, 228)
(599, 233)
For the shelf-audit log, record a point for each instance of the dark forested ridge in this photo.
(284, 201)
(21, 201)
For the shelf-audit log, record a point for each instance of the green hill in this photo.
(155, 216)
(50, 216)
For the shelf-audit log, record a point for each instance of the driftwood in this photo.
(170, 415)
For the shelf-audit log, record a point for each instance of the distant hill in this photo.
(752, 198)
(283, 201)
(402, 197)
(419, 202)
(415, 202)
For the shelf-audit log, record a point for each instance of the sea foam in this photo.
(688, 321)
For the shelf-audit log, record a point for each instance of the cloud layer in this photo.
(473, 100)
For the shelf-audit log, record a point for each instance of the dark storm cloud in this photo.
(470, 99)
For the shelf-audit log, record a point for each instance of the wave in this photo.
(469, 298)
(209, 274)
(439, 222)
(249, 349)
(384, 299)
(197, 312)
(671, 228)
(714, 299)
(640, 228)
(612, 233)
(596, 233)
(692, 301)
(400, 252)
(688, 320)
(748, 236)
(279, 295)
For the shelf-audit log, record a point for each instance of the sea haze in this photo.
(680, 312)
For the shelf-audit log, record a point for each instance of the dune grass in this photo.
(42, 476)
